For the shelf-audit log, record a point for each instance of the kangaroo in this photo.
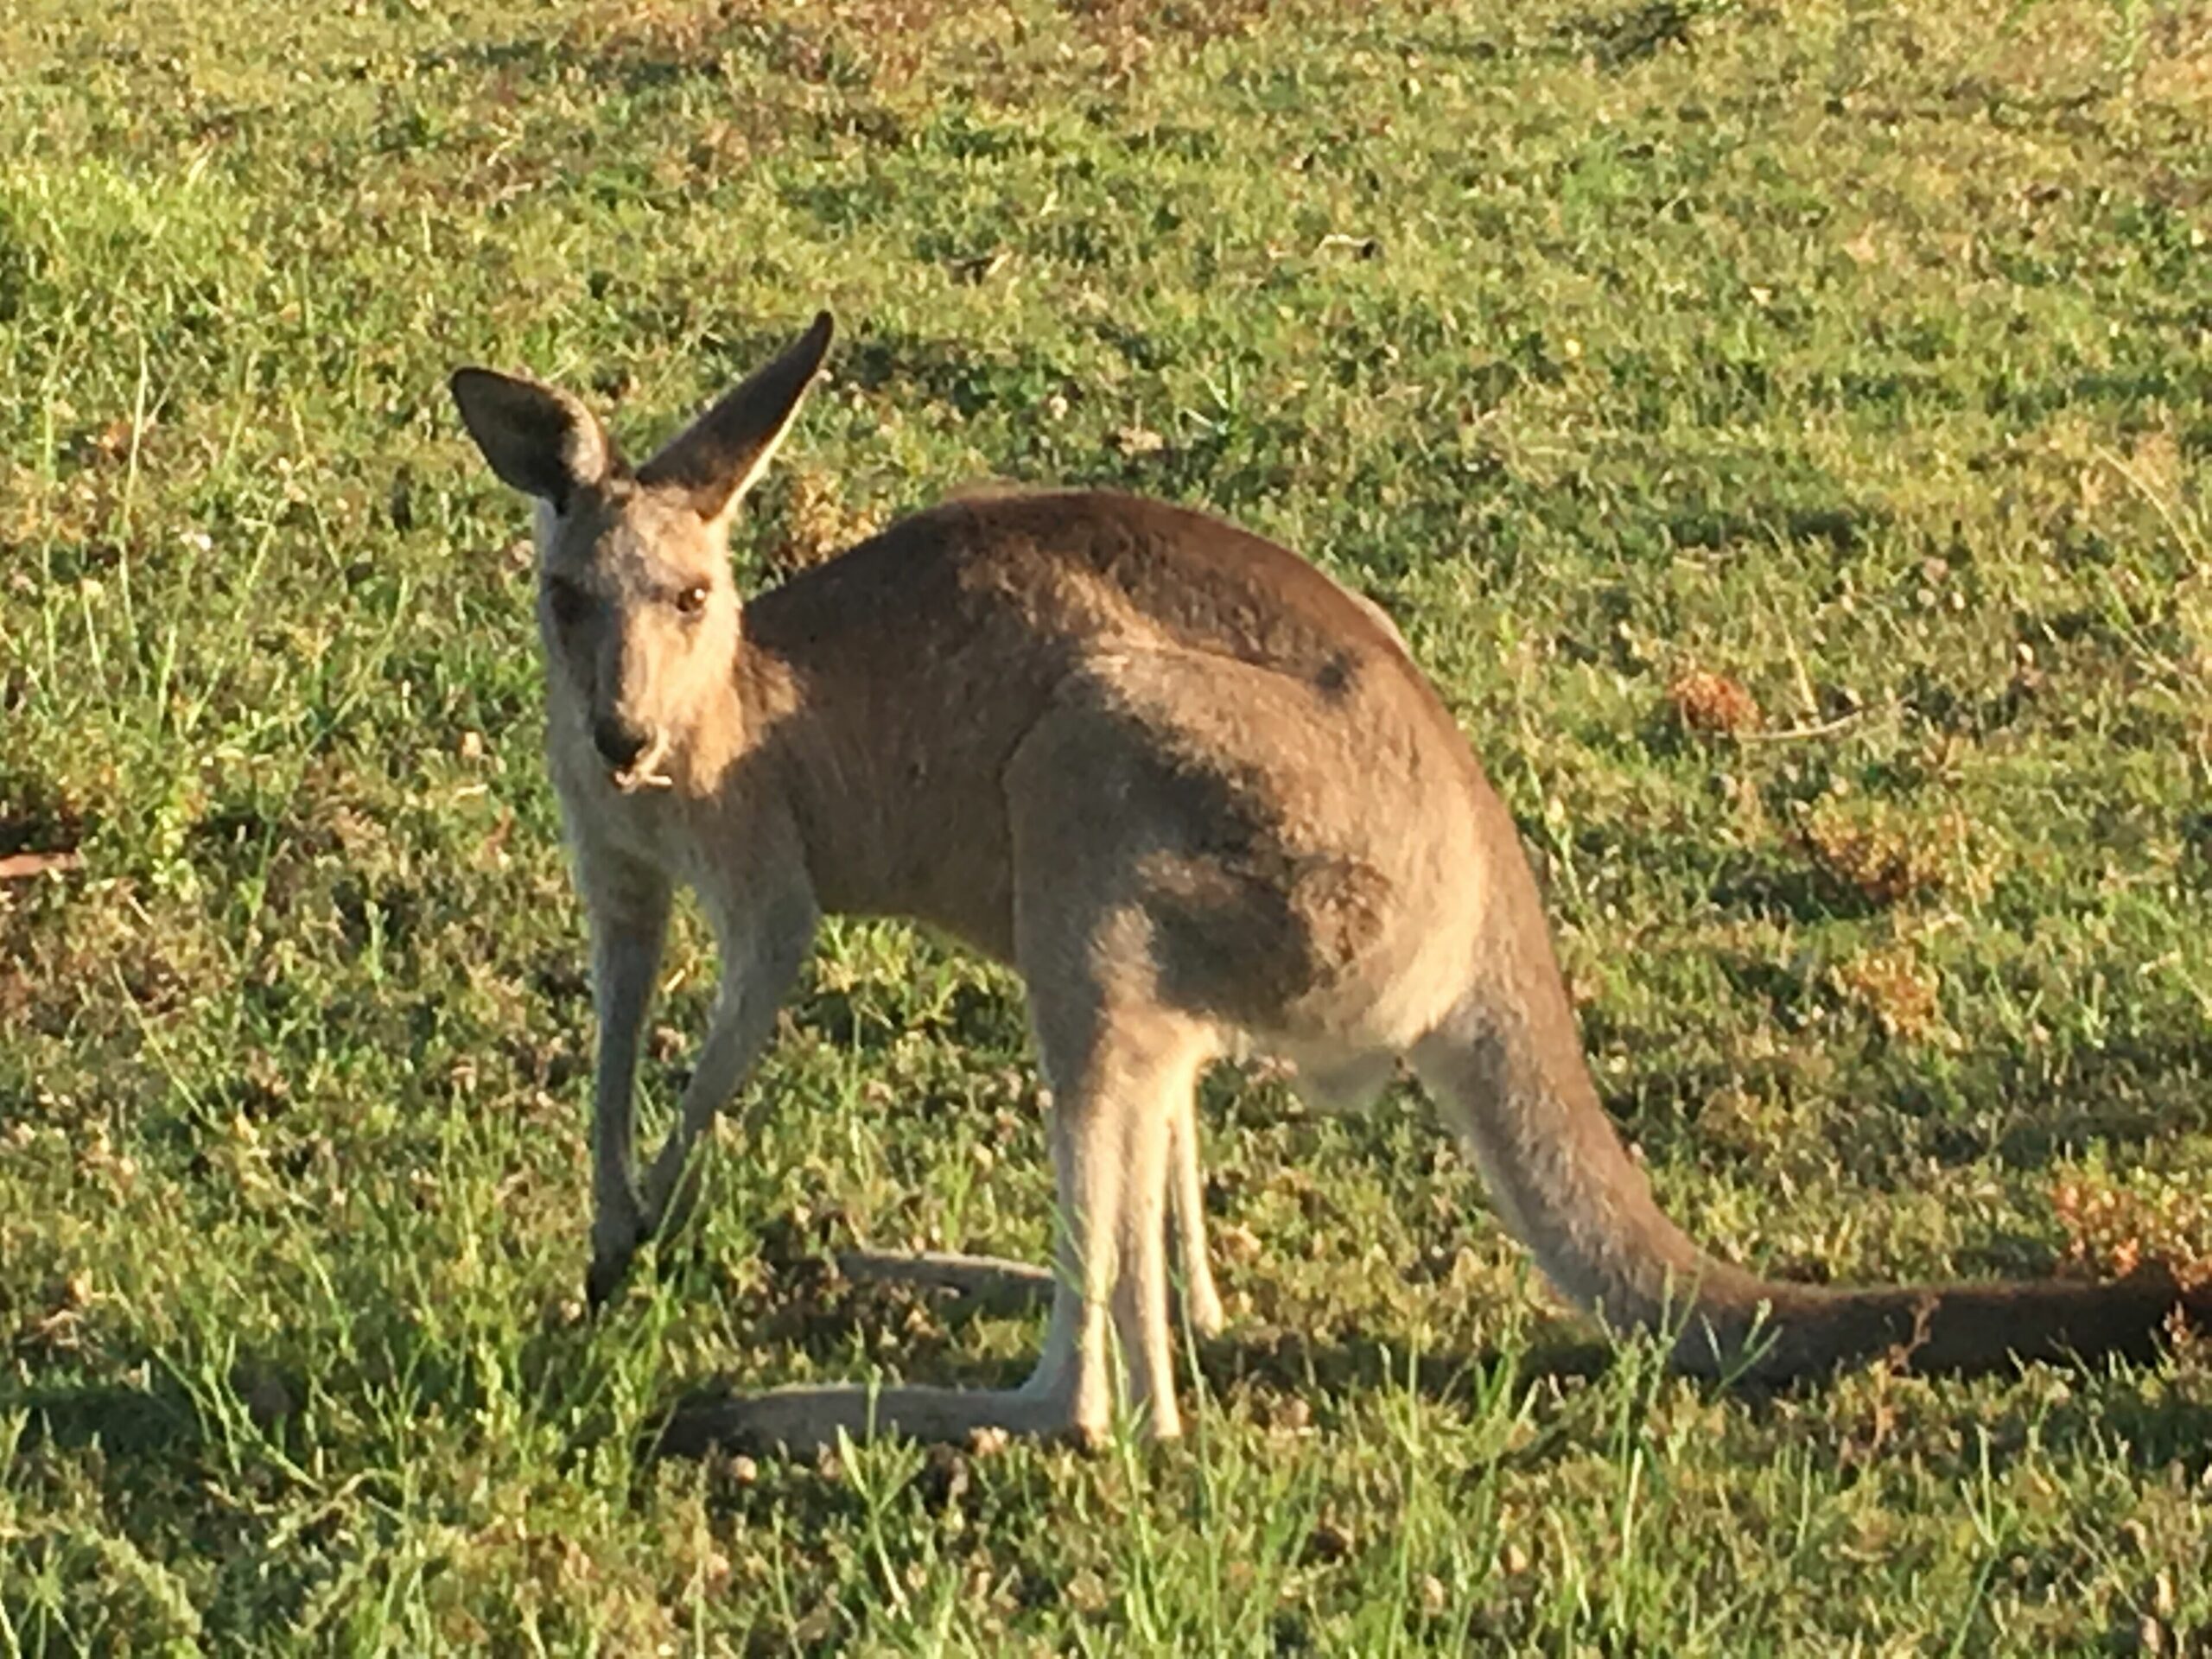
(1198, 796)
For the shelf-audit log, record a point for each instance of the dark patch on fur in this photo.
(1205, 584)
(1248, 919)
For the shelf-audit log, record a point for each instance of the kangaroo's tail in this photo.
(1507, 1063)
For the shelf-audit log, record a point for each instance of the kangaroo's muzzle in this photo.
(632, 753)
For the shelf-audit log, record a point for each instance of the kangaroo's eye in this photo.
(692, 599)
(567, 600)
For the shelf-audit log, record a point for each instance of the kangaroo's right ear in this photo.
(540, 440)
(715, 458)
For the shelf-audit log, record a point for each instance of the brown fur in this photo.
(1197, 794)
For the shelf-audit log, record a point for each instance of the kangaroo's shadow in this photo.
(128, 1423)
(829, 1309)
(2147, 1430)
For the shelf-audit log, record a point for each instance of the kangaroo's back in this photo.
(1052, 575)
(921, 658)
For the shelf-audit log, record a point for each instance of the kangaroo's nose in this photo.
(620, 742)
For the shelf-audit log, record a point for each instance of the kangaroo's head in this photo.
(635, 604)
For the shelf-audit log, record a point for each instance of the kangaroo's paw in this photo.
(613, 1251)
(604, 1277)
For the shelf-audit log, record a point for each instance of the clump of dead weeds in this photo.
(2114, 1230)
(804, 521)
(1878, 853)
(1711, 705)
(1900, 989)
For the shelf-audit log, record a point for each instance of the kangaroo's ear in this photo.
(541, 441)
(715, 459)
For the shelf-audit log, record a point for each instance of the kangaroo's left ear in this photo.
(715, 459)
(538, 439)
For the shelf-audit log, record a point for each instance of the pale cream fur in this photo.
(1201, 799)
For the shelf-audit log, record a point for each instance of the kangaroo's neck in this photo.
(727, 723)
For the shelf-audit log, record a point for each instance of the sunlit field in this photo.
(1783, 431)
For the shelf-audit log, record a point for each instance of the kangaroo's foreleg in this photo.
(629, 908)
(761, 955)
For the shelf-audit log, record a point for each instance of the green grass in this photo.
(1860, 356)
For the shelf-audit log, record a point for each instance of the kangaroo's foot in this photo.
(1201, 1307)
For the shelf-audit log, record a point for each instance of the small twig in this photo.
(1825, 729)
(20, 866)
(1805, 692)
(990, 1279)
(2184, 538)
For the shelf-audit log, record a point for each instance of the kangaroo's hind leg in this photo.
(1187, 1194)
(1123, 1075)
(995, 1284)
(1118, 1073)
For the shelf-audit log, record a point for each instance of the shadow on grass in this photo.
(2145, 1428)
(137, 1428)
(969, 378)
(1288, 1363)
(1356, 1362)
(1788, 890)
(633, 62)
(130, 1422)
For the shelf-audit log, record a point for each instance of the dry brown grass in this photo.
(2114, 1230)
(806, 520)
(1900, 990)
(1876, 852)
(1711, 705)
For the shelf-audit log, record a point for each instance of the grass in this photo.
(1783, 430)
